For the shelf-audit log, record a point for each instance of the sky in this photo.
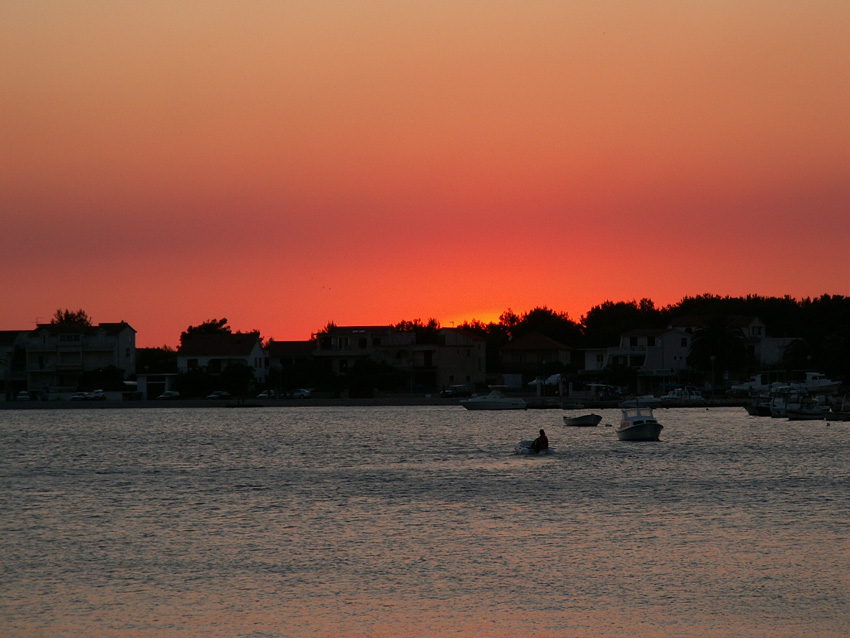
(289, 164)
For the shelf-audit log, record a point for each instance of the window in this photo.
(363, 343)
(633, 341)
(650, 341)
(684, 342)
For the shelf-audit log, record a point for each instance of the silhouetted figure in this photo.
(540, 443)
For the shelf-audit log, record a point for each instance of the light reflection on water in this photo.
(419, 522)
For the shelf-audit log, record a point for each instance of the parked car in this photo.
(300, 393)
(23, 395)
(169, 394)
(267, 394)
(219, 394)
(97, 395)
(80, 396)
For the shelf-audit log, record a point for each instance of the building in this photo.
(340, 348)
(460, 358)
(762, 350)
(428, 361)
(13, 362)
(655, 352)
(657, 355)
(292, 364)
(290, 355)
(660, 355)
(213, 353)
(57, 355)
(534, 355)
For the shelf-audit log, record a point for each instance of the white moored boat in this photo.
(638, 424)
(494, 401)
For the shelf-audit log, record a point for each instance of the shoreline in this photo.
(534, 403)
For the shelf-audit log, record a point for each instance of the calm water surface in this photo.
(419, 522)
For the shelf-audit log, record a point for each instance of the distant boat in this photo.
(809, 409)
(807, 412)
(583, 421)
(816, 382)
(761, 407)
(687, 394)
(754, 385)
(494, 401)
(812, 382)
(645, 400)
(638, 424)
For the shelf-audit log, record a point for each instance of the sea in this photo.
(419, 521)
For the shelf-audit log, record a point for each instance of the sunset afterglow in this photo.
(288, 164)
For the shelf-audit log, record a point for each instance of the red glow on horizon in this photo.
(295, 164)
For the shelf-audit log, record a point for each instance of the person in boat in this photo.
(540, 443)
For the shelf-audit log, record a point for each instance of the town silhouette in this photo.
(707, 342)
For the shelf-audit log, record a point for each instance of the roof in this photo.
(115, 328)
(535, 341)
(225, 344)
(59, 328)
(352, 329)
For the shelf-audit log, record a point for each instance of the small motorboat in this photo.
(583, 421)
(638, 424)
(525, 447)
(761, 407)
(810, 409)
(494, 401)
(647, 400)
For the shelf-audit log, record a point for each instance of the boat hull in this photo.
(524, 447)
(489, 403)
(640, 432)
(494, 405)
(806, 415)
(838, 416)
(757, 410)
(583, 421)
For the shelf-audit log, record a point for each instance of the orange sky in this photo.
(286, 164)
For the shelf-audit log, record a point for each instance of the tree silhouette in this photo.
(604, 324)
(719, 346)
(425, 332)
(71, 319)
(211, 326)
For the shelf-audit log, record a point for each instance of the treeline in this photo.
(820, 327)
